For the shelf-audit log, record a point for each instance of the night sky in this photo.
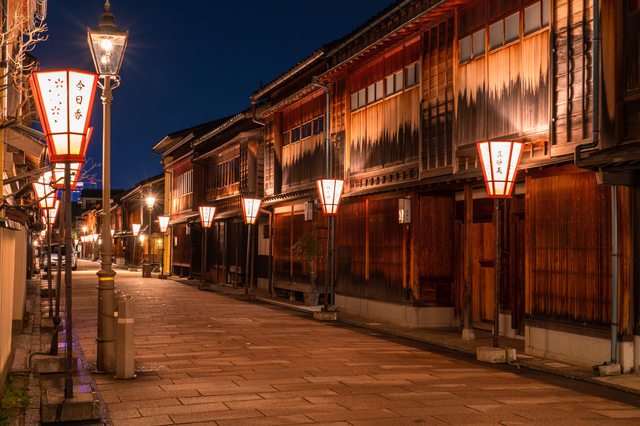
(189, 62)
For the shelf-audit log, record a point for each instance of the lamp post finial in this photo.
(107, 6)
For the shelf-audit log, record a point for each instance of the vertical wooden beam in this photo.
(468, 333)
(366, 249)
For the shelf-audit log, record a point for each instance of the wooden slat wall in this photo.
(569, 250)
(535, 83)
(351, 228)
(504, 108)
(435, 248)
(573, 63)
(385, 246)
(181, 252)
(504, 92)
(437, 85)
(339, 113)
(388, 131)
(303, 161)
(282, 247)
(370, 246)
(631, 61)
(471, 107)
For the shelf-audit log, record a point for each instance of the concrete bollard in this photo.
(117, 294)
(124, 343)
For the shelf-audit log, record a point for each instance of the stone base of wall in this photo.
(403, 315)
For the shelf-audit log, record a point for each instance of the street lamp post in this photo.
(107, 44)
(150, 202)
(47, 201)
(250, 209)
(206, 218)
(330, 192)
(136, 229)
(163, 221)
(499, 161)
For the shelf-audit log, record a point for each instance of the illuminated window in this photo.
(536, 17)
(472, 46)
(375, 92)
(504, 31)
(412, 75)
(318, 125)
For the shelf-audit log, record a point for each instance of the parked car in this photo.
(54, 257)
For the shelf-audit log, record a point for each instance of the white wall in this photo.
(7, 268)
(20, 277)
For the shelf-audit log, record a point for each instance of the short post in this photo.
(124, 345)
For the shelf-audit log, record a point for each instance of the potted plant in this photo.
(308, 248)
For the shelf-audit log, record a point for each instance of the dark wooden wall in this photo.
(289, 227)
(568, 249)
(370, 245)
(434, 249)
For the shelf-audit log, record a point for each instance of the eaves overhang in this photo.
(404, 31)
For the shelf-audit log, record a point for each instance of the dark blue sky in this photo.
(189, 62)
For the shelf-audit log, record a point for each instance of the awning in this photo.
(183, 219)
(616, 159)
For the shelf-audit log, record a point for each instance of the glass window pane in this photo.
(478, 43)
(361, 98)
(532, 18)
(379, 87)
(545, 13)
(371, 94)
(465, 49)
(512, 28)
(354, 102)
(411, 76)
(390, 86)
(495, 34)
(399, 81)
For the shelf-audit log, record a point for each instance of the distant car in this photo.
(54, 257)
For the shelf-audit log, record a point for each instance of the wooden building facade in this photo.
(412, 91)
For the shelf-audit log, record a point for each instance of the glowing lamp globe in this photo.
(206, 216)
(44, 192)
(64, 100)
(150, 202)
(330, 191)
(500, 161)
(136, 229)
(107, 44)
(163, 221)
(250, 208)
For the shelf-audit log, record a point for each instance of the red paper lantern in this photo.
(44, 191)
(163, 221)
(206, 216)
(500, 161)
(64, 100)
(250, 209)
(330, 191)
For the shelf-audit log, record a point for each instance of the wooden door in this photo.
(483, 281)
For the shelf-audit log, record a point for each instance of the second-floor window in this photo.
(311, 127)
(183, 184)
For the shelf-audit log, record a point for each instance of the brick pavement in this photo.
(206, 358)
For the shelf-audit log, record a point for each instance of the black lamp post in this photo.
(107, 44)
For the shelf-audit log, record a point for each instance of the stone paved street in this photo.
(207, 358)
